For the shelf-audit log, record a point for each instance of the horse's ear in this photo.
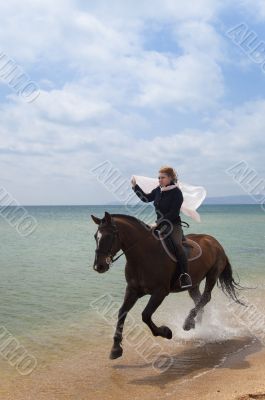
(107, 217)
(96, 219)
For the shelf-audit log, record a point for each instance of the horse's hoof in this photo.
(189, 324)
(166, 332)
(116, 352)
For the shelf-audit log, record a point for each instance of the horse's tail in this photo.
(228, 285)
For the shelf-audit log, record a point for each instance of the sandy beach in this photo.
(234, 369)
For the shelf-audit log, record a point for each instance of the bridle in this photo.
(109, 256)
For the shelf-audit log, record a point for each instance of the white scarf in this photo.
(169, 187)
(193, 196)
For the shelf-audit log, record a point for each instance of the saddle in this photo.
(192, 249)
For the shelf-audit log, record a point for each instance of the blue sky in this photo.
(138, 83)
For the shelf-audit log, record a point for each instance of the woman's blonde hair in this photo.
(171, 172)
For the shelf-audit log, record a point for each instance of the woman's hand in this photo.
(133, 181)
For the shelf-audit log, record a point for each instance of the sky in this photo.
(136, 84)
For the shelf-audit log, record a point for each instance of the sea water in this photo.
(48, 287)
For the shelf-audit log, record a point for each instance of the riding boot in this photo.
(184, 279)
(176, 237)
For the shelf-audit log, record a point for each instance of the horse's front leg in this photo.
(130, 298)
(153, 303)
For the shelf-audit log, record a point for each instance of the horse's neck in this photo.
(130, 233)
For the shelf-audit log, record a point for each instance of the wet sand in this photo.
(232, 369)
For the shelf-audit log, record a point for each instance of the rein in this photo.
(110, 259)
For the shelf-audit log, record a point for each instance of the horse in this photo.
(149, 270)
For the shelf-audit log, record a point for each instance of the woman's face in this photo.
(163, 179)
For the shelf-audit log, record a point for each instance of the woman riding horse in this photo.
(168, 198)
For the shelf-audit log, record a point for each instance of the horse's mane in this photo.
(132, 219)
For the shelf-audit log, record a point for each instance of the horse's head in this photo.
(107, 242)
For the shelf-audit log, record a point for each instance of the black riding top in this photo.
(167, 203)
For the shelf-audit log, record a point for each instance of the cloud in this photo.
(157, 9)
(110, 90)
(109, 52)
(185, 83)
(255, 8)
(200, 156)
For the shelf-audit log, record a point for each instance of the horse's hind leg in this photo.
(153, 303)
(195, 294)
(205, 298)
(130, 299)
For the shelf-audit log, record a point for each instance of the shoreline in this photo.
(226, 370)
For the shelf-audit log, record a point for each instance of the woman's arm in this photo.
(145, 197)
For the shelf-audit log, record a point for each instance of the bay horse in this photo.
(149, 270)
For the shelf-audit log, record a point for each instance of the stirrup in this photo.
(189, 284)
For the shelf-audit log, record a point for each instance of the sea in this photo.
(54, 305)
